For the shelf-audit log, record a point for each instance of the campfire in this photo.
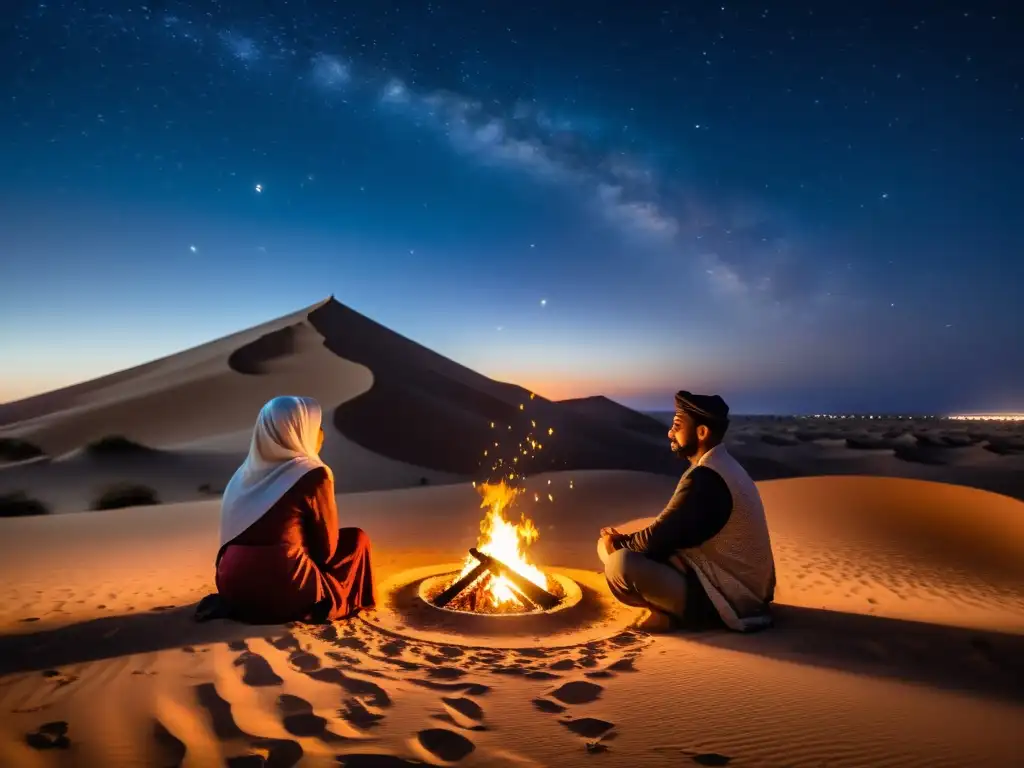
(497, 576)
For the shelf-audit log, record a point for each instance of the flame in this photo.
(505, 541)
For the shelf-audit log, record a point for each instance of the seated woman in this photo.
(282, 557)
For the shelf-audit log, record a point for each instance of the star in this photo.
(192, 248)
(543, 302)
(259, 187)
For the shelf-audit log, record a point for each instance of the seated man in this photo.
(709, 548)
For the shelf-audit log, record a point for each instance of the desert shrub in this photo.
(115, 445)
(16, 449)
(20, 504)
(125, 495)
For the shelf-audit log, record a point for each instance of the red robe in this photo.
(293, 564)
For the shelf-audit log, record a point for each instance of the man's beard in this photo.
(682, 452)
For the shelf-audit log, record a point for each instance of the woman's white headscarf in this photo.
(283, 449)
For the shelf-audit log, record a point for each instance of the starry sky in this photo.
(804, 206)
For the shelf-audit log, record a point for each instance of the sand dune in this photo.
(397, 415)
(892, 647)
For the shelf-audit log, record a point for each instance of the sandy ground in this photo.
(900, 608)
(892, 646)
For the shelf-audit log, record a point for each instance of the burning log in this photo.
(457, 587)
(529, 590)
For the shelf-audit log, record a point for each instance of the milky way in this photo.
(787, 204)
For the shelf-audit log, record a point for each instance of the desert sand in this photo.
(899, 638)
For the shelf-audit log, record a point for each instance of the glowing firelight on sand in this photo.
(505, 541)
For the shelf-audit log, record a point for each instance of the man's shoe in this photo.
(655, 622)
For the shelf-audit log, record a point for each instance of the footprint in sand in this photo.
(470, 689)
(445, 745)
(445, 673)
(548, 706)
(408, 666)
(540, 674)
(588, 727)
(298, 719)
(256, 670)
(533, 653)
(578, 692)
(219, 710)
(303, 661)
(264, 752)
(344, 658)
(358, 714)
(393, 648)
(376, 695)
(623, 665)
(50, 736)
(286, 642)
(710, 759)
(463, 712)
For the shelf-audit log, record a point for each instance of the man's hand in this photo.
(610, 539)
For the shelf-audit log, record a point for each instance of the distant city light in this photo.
(955, 417)
(988, 417)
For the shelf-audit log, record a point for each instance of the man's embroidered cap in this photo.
(703, 407)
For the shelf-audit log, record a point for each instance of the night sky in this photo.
(804, 206)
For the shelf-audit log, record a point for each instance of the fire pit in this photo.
(497, 577)
(497, 597)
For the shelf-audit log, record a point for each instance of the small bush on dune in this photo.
(116, 445)
(125, 495)
(20, 504)
(16, 449)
